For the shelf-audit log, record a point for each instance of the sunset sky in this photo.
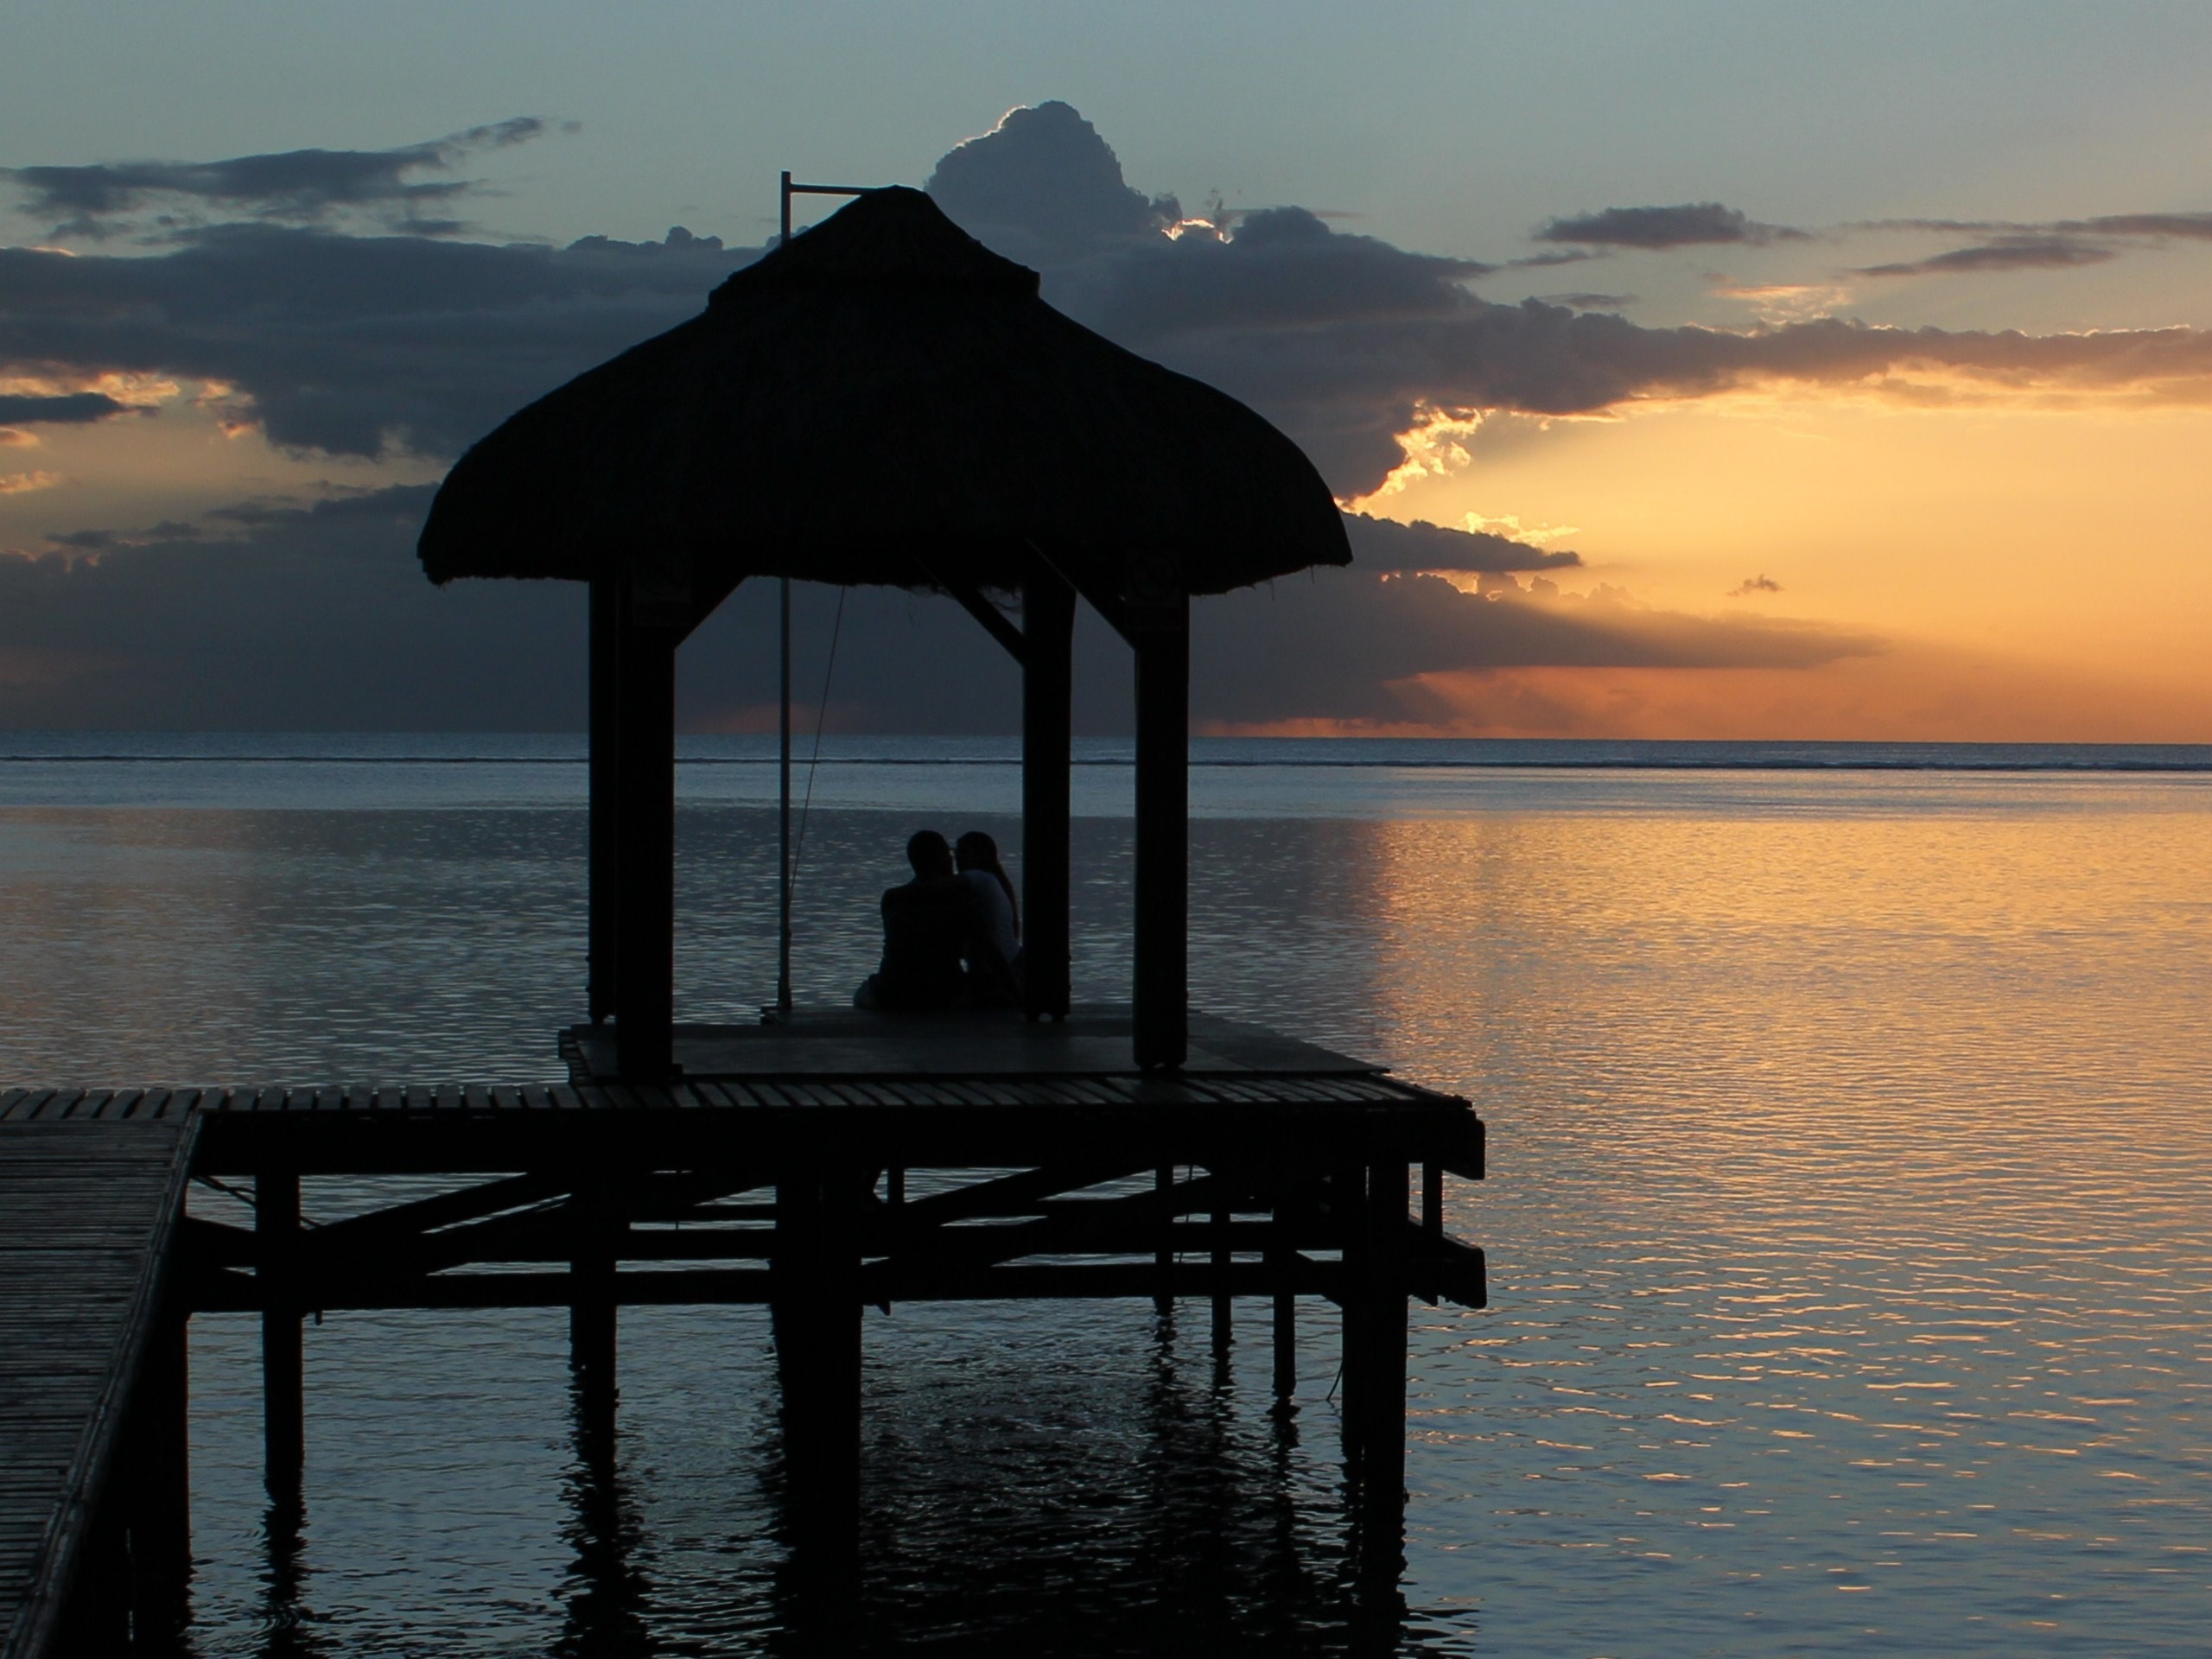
(1814, 372)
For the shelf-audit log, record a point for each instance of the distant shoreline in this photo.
(1353, 754)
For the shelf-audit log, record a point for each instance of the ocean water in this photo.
(1851, 1164)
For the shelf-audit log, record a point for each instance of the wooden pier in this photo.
(94, 1547)
(820, 1166)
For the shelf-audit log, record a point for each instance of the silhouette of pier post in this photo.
(284, 1384)
(1047, 689)
(596, 1226)
(816, 1312)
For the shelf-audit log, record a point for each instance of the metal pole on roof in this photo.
(784, 751)
(784, 700)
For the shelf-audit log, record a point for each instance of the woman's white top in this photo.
(998, 912)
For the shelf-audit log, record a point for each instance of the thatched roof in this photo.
(883, 400)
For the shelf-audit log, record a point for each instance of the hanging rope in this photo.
(821, 714)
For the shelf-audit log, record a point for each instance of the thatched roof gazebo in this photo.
(883, 400)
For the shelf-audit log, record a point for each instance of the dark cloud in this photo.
(1043, 187)
(1758, 584)
(2193, 226)
(2050, 244)
(1556, 257)
(2012, 253)
(70, 409)
(1380, 544)
(300, 186)
(1589, 301)
(1345, 645)
(354, 345)
(1688, 224)
(1284, 269)
(315, 617)
(236, 621)
(370, 345)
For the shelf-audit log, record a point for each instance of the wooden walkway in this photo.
(87, 1209)
(776, 1170)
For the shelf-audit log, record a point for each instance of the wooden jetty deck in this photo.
(92, 1441)
(824, 1165)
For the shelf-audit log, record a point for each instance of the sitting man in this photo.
(928, 925)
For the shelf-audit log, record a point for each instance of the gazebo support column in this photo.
(1160, 631)
(1048, 641)
(645, 858)
(603, 858)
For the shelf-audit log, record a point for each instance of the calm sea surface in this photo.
(1850, 1221)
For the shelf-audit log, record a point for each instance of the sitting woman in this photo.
(993, 955)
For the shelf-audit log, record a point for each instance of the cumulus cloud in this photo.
(1687, 224)
(25, 483)
(1347, 341)
(298, 186)
(1045, 187)
(1751, 585)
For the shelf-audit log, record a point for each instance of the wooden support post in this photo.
(1375, 1371)
(1348, 1203)
(1431, 1200)
(592, 1316)
(644, 921)
(1224, 1326)
(816, 1265)
(283, 1403)
(161, 1472)
(1047, 679)
(1281, 1254)
(1163, 780)
(1163, 1182)
(602, 992)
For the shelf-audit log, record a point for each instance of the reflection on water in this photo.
(1846, 1238)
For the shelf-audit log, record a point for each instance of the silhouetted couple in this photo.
(952, 936)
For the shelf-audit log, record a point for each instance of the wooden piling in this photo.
(603, 937)
(160, 1498)
(592, 1316)
(1048, 639)
(817, 1264)
(645, 922)
(1375, 1369)
(1224, 1322)
(1280, 1255)
(1163, 807)
(1163, 1182)
(283, 1401)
